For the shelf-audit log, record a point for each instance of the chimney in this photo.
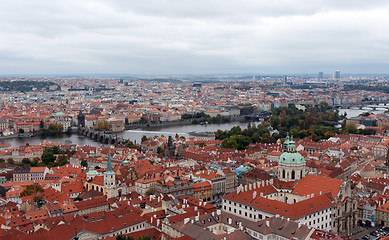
(254, 194)
(267, 223)
(250, 187)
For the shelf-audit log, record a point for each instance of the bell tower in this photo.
(109, 178)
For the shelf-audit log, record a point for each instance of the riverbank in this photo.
(9, 137)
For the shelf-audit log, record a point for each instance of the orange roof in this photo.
(384, 208)
(37, 169)
(317, 184)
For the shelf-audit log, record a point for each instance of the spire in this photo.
(286, 142)
(109, 164)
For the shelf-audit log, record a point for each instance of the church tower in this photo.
(109, 178)
(291, 164)
(81, 119)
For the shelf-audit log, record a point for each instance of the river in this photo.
(133, 135)
(354, 112)
(181, 130)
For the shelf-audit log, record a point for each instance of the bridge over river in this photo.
(101, 136)
(372, 105)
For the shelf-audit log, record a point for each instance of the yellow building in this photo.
(202, 191)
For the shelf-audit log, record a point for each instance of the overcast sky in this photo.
(196, 36)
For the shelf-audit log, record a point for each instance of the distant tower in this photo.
(109, 178)
(285, 81)
(321, 75)
(170, 149)
(233, 167)
(337, 74)
(291, 164)
(81, 119)
(387, 158)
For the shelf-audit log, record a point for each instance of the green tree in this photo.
(62, 160)
(48, 156)
(159, 150)
(230, 143)
(68, 131)
(41, 124)
(84, 163)
(39, 201)
(26, 161)
(121, 237)
(10, 161)
(202, 144)
(31, 189)
(21, 130)
(352, 129)
(144, 138)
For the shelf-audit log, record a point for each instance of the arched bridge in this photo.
(103, 137)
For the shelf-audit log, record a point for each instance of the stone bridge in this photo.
(100, 136)
(372, 105)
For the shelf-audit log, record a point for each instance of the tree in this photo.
(41, 124)
(38, 200)
(2, 160)
(159, 150)
(10, 161)
(121, 237)
(202, 144)
(352, 129)
(48, 156)
(21, 130)
(31, 189)
(26, 161)
(144, 138)
(84, 163)
(102, 125)
(149, 192)
(68, 131)
(62, 160)
(55, 149)
(230, 143)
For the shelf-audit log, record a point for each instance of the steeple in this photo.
(109, 164)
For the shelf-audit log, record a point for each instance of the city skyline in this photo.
(151, 37)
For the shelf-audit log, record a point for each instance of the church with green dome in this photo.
(291, 164)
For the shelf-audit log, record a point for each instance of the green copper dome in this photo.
(291, 157)
(92, 171)
(59, 114)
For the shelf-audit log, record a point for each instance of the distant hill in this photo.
(27, 86)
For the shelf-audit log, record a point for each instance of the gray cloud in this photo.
(164, 36)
